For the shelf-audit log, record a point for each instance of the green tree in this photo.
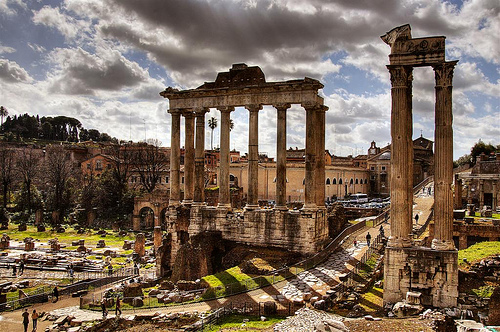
(28, 168)
(481, 147)
(7, 168)
(212, 124)
(3, 113)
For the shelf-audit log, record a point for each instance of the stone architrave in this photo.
(139, 245)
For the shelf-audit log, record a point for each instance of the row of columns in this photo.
(194, 158)
(402, 157)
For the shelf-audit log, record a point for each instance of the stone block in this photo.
(137, 302)
(22, 227)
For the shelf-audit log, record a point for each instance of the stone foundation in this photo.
(304, 231)
(433, 273)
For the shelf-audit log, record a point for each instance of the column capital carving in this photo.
(443, 73)
(175, 111)
(187, 113)
(282, 106)
(253, 107)
(225, 108)
(199, 111)
(401, 76)
(311, 106)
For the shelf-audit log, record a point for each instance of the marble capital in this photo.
(443, 73)
(401, 76)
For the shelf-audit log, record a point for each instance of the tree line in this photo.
(58, 128)
(50, 180)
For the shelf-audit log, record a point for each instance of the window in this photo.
(352, 182)
(304, 182)
(328, 181)
(89, 166)
(383, 168)
(98, 165)
(334, 181)
(182, 180)
(366, 181)
(340, 181)
(166, 179)
(357, 181)
(372, 168)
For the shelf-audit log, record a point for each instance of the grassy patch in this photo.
(367, 268)
(478, 251)
(372, 301)
(236, 322)
(484, 291)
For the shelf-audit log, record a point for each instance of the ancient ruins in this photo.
(305, 230)
(431, 271)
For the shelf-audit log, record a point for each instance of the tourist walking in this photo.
(21, 267)
(118, 307)
(368, 239)
(381, 230)
(26, 319)
(34, 317)
(103, 308)
(55, 294)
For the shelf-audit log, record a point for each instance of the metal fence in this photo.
(245, 308)
(44, 293)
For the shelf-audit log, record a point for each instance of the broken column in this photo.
(139, 245)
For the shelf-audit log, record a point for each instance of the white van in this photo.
(359, 198)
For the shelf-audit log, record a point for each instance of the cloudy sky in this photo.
(104, 62)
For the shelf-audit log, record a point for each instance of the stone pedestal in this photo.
(157, 237)
(140, 242)
(433, 273)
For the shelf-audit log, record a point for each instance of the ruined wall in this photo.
(431, 272)
(304, 231)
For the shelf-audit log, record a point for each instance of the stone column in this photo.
(224, 191)
(443, 158)
(320, 156)
(468, 183)
(188, 157)
(175, 160)
(281, 156)
(199, 158)
(253, 157)
(401, 156)
(495, 193)
(458, 192)
(481, 194)
(310, 162)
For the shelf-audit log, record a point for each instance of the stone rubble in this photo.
(305, 320)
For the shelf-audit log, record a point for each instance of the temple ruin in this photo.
(431, 271)
(305, 230)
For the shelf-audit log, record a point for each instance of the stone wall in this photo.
(434, 273)
(304, 231)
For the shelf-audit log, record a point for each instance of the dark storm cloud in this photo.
(83, 73)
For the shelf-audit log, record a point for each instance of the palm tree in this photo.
(212, 124)
(3, 113)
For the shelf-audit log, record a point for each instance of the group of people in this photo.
(21, 269)
(118, 307)
(26, 319)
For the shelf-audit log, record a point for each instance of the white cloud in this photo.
(69, 27)
(11, 72)
(8, 7)
(6, 49)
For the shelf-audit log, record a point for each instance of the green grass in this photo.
(236, 322)
(68, 236)
(478, 251)
(483, 291)
(372, 301)
(368, 266)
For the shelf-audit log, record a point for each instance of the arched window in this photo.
(340, 181)
(304, 182)
(357, 181)
(327, 180)
(352, 181)
(334, 181)
(366, 181)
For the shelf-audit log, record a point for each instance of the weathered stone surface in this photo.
(494, 308)
(139, 244)
(137, 302)
(167, 284)
(132, 290)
